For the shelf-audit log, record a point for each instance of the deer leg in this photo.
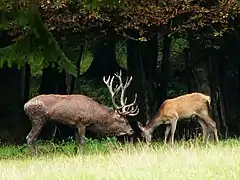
(173, 129)
(204, 128)
(77, 141)
(168, 128)
(32, 137)
(211, 124)
(81, 133)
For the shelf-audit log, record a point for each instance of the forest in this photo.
(169, 47)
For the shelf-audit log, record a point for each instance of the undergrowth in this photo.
(102, 146)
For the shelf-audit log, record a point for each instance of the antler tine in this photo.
(119, 76)
(134, 111)
(130, 109)
(127, 83)
(120, 73)
(109, 84)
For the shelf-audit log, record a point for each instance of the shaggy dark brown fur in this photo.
(75, 110)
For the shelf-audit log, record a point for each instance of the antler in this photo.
(109, 83)
(130, 109)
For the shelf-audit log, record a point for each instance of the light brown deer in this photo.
(185, 106)
(82, 112)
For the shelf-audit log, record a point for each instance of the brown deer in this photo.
(185, 106)
(82, 112)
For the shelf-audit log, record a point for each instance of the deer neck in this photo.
(153, 124)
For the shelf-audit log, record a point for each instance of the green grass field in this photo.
(108, 159)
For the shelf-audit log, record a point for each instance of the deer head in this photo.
(147, 134)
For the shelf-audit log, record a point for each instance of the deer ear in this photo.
(117, 115)
(147, 121)
(140, 125)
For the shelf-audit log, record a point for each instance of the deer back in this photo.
(183, 106)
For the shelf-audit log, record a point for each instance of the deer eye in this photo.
(123, 121)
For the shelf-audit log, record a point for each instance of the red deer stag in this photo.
(82, 112)
(172, 110)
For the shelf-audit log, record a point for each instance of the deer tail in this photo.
(208, 99)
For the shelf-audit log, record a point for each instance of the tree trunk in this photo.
(217, 92)
(234, 55)
(214, 89)
(189, 71)
(141, 63)
(161, 92)
(14, 92)
(197, 72)
(134, 70)
(165, 67)
(223, 104)
(148, 65)
(48, 81)
(104, 61)
(27, 77)
(13, 126)
(78, 63)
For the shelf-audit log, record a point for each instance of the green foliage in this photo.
(96, 4)
(178, 45)
(33, 42)
(50, 48)
(87, 59)
(144, 17)
(19, 53)
(121, 53)
(100, 94)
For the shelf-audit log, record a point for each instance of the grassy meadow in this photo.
(108, 159)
